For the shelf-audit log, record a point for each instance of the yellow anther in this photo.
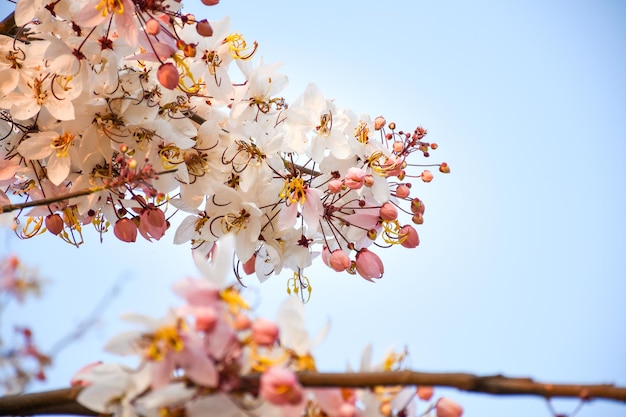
(392, 234)
(361, 133)
(171, 155)
(326, 124)
(235, 221)
(233, 300)
(294, 190)
(237, 46)
(110, 6)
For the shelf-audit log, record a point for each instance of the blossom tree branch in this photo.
(62, 401)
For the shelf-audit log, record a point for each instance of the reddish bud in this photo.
(368, 180)
(190, 50)
(241, 322)
(409, 237)
(54, 224)
(402, 191)
(206, 319)
(125, 230)
(210, 2)
(398, 147)
(339, 260)
(425, 393)
(418, 219)
(167, 74)
(369, 265)
(204, 28)
(264, 332)
(392, 125)
(427, 176)
(335, 186)
(448, 408)
(443, 167)
(388, 212)
(433, 146)
(153, 27)
(354, 178)
(417, 206)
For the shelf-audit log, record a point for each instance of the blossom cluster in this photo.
(121, 113)
(212, 356)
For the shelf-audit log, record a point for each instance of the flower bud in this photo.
(241, 322)
(418, 219)
(125, 230)
(210, 2)
(417, 206)
(427, 176)
(153, 27)
(204, 28)
(354, 178)
(409, 237)
(167, 74)
(368, 180)
(264, 332)
(206, 319)
(335, 186)
(379, 122)
(443, 167)
(398, 147)
(402, 191)
(54, 224)
(369, 265)
(448, 408)
(388, 212)
(190, 50)
(339, 260)
(425, 393)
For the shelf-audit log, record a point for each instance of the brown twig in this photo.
(63, 401)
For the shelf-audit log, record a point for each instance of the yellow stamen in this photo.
(233, 300)
(110, 6)
(237, 45)
(62, 144)
(171, 155)
(235, 221)
(298, 282)
(294, 190)
(392, 232)
(326, 124)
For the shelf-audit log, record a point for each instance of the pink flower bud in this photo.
(210, 2)
(448, 408)
(280, 386)
(335, 186)
(379, 122)
(388, 212)
(402, 191)
(54, 223)
(410, 238)
(206, 319)
(125, 230)
(427, 176)
(425, 393)
(167, 74)
(241, 322)
(339, 260)
(369, 265)
(354, 178)
(417, 206)
(153, 27)
(369, 180)
(264, 332)
(204, 28)
(398, 147)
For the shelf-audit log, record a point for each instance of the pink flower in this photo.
(280, 386)
(448, 408)
(369, 265)
(264, 332)
(152, 223)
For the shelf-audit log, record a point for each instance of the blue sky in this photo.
(521, 268)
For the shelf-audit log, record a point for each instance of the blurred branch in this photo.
(63, 401)
(7, 26)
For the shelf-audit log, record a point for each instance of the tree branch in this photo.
(63, 401)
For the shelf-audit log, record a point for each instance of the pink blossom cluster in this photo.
(123, 115)
(213, 356)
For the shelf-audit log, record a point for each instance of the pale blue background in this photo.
(521, 269)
